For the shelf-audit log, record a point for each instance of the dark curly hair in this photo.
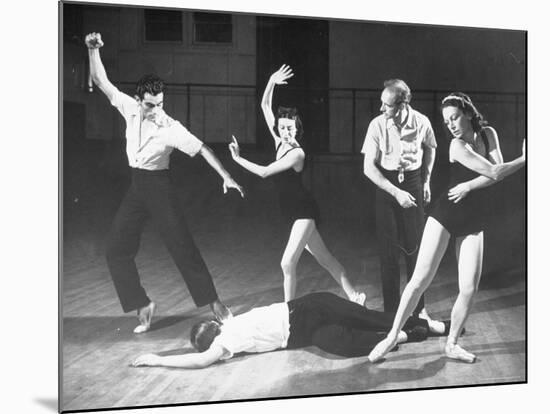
(203, 333)
(289, 113)
(464, 103)
(151, 84)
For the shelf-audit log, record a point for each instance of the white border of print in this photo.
(29, 204)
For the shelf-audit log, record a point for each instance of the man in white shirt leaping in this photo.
(151, 135)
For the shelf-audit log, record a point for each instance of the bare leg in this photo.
(324, 257)
(434, 243)
(299, 235)
(469, 254)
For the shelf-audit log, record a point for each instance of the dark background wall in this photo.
(340, 67)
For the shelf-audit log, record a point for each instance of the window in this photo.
(163, 25)
(212, 28)
(72, 23)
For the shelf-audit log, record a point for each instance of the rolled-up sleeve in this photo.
(429, 136)
(371, 144)
(183, 140)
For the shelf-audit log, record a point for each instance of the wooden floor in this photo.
(243, 255)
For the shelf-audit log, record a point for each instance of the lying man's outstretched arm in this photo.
(189, 361)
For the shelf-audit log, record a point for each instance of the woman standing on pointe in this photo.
(461, 213)
(297, 204)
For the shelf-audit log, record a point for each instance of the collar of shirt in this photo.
(148, 129)
(410, 122)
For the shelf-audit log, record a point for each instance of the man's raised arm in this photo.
(97, 70)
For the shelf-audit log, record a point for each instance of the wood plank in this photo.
(243, 256)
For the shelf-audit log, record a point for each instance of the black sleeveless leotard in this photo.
(470, 214)
(295, 200)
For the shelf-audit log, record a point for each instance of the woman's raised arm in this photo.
(277, 78)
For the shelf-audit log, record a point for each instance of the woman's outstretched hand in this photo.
(234, 148)
(459, 192)
(280, 77)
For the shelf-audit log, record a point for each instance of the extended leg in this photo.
(412, 226)
(122, 247)
(324, 257)
(434, 243)
(325, 308)
(299, 235)
(342, 327)
(469, 252)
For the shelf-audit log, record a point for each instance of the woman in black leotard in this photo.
(458, 214)
(476, 162)
(295, 201)
(297, 204)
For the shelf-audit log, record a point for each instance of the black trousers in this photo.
(152, 195)
(341, 327)
(399, 231)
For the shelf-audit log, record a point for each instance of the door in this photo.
(303, 45)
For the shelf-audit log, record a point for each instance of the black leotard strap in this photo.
(288, 152)
(485, 142)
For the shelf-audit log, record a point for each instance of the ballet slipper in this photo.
(221, 312)
(423, 314)
(435, 327)
(145, 316)
(446, 328)
(382, 348)
(455, 351)
(359, 298)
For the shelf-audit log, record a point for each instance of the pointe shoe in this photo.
(456, 352)
(359, 298)
(145, 316)
(221, 312)
(381, 349)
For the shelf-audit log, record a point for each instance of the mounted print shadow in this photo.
(260, 207)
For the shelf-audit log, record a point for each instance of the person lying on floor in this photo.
(335, 325)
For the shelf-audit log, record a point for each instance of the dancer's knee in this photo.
(417, 286)
(288, 265)
(468, 290)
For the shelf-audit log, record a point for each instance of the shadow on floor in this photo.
(50, 403)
